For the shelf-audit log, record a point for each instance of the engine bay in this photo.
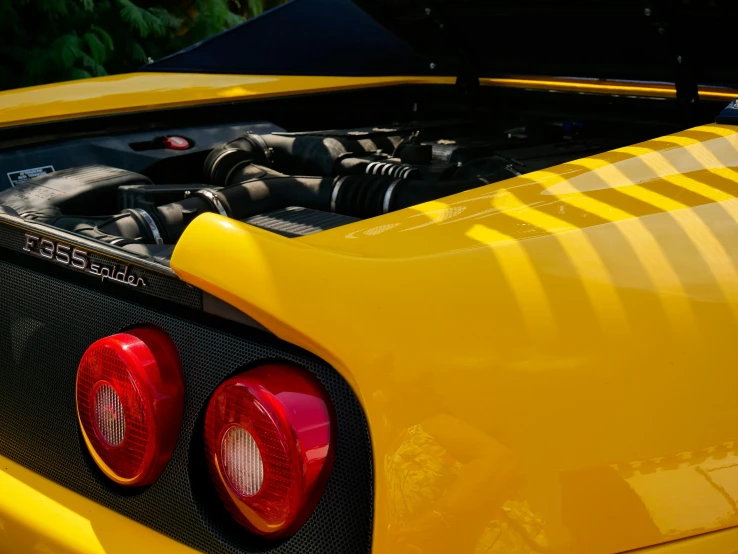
(139, 191)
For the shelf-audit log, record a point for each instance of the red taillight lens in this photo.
(130, 397)
(269, 444)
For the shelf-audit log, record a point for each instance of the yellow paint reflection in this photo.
(662, 274)
(525, 283)
(566, 190)
(134, 92)
(700, 235)
(37, 515)
(452, 483)
(716, 129)
(611, 87)
(28, 515)
(689, 492)
(650, 254)
(681, 501)
(659, 159)
(655, 262)
(713, 254)
(583, 255)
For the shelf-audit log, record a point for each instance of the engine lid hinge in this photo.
(671, 22)
(467, 76)
(469, 84)
(687, 89)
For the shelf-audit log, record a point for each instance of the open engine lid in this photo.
(682, 41)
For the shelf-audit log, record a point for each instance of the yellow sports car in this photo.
(381, 276)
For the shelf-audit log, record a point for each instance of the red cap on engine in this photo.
(176, 143)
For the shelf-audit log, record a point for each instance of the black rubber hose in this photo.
(369, 196)
(308, 155)
(249, 199)
(361, 196)
(312, 155)
(354, 195)
(239, 202)
(358, 196)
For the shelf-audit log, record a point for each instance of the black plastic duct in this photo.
(309, 155)
(360, 196)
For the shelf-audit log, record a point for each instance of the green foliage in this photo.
(45, 41)
(256, 6)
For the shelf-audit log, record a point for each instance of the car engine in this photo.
(291, 183)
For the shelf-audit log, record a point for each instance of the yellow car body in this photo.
(524, 351)
(479, 327)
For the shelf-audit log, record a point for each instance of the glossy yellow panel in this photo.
(137, 92)
(37, 515)
(547, 363)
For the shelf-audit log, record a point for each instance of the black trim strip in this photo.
(92, 262)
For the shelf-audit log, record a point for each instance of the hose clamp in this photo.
(334, 194)
(217, 160)
(387, 203)
(213, 200)
(258, 141)
(390, 170)
(153, 229)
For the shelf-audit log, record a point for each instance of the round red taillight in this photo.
(269, 444)
(130, 397)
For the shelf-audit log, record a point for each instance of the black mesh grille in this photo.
(295, 221)
(45, 326)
